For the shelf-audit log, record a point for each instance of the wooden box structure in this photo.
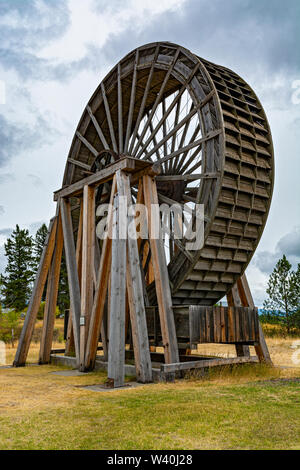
(163, 127)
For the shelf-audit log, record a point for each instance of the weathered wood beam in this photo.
(70, 344)
(51, 298)
(100, 177)
(36, 296)
(233, 300)
(162, 283)
(100, 291)
(169, 368)
(116, 345)
(88, 237)
(135, 293)
(74, 288)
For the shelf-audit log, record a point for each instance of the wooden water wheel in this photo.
(209, 132)
(166, 127)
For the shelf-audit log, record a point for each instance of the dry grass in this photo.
(244, 407)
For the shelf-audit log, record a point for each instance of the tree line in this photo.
(23, 253)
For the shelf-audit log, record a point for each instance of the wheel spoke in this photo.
(143, 103)
(131, 105)
(98, 129)
(157, 101)
(120, 110)
(108, 115)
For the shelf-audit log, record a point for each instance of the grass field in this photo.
(248, 407)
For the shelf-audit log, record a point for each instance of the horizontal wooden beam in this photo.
(126, 164)
(207, 363)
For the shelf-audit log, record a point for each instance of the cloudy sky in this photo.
(54, 53)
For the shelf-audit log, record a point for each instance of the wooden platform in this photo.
(163, 372)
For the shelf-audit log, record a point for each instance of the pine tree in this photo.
(63, 300)
(16, 283)
(38, 245)
(39, 242)
(284, 294)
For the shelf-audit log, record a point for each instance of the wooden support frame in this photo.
(116, 345)
(36, 296)
(73, 280)
(51, 297)
(100, 292)
(88, 236)
(70, 344)
(135, 291)
(162, 283)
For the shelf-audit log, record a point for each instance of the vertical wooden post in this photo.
(261, 349)
(116, 352)
(100, 291)
(135, 292)
(51, 297)
(104, 321)
(73, 280)
(233, 300)
(88, 236)
(36, 296)
(70, 344)
(162, 284)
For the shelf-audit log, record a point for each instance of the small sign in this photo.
(82, 321)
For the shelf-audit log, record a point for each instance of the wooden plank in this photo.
(223, 325)
(100, 291)
(99, 177)
(74, 288)
(51, 298)
(180, 366)
(36, 296)
(208, 324)
(162, 283)
(116, 345)
(135, 293)
(194, 325)
(88, 236)
(70, 344)
(234, 300)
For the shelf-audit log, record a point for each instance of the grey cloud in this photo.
(240, 33)
(6, 177)
(2, 210)
(288, 245)
(35, 180)
(34, 24)
(16, 138)
(101, 6)
(6, 231)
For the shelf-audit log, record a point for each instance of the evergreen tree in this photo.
(63, 300)
(16, 283)
(39, 242)
(284, 294)
(38, 245)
